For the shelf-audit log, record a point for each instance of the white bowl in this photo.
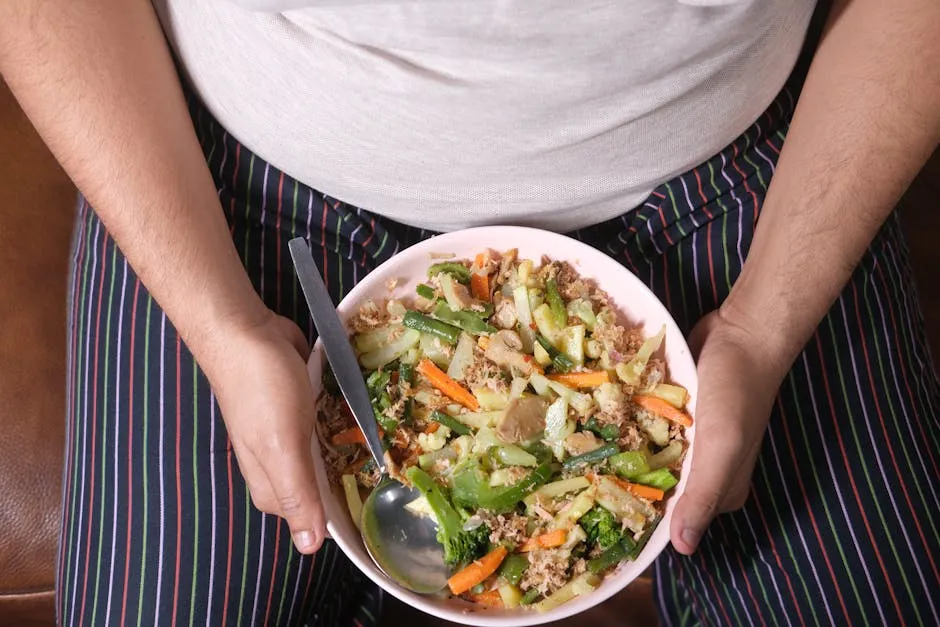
(632, 300)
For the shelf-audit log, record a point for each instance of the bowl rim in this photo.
(594, 258)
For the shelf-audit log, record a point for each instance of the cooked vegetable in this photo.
(630, 464)
(555, 303)
(460, 545)
(631, 371)
(562, 362)
(352, 435)
(675, 395)
(661, 479)
(588, 379)
(511, 595)
(511, 455)
(472, 488)
(662, 408)
(506, 405)
(477, 571)
(450, 422)
(353, 500)
(582, 584)
(513, 568)
(601, 527)
(446, 385)
(608, 432)
(647, 492)
(425, 324)
(547, 540)
(452, 268)
(490, 598)
(666, 457)
(591, 457)
(425, 291)
(612, 555)
(530, 597)
(467, 320)
(479, 282)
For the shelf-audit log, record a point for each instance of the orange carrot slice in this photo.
(439, 379)
(352, 435)
(644, 491)
(590, 379)
(548, 540)
(476, 572)
(661, 408)
(490, 598)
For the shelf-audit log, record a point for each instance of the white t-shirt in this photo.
(452, 113)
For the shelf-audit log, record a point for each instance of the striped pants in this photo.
(840, 527)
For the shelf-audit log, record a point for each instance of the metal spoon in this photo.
(401, 543)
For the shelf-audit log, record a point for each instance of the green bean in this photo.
(456, 270)
(450, 422)
(426, 324)
(591, 457)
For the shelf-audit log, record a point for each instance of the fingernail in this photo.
(691, 536)
(304, 541)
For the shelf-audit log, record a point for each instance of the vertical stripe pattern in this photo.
(841, 526)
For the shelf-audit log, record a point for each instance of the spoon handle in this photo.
(338, 350)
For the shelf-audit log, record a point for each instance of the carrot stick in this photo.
(352, 435)
(479, 280)
(547, 540)
(477, 571)
(480, 286)
(432, 427)
(644, 491)
(661, 408)
(581, 379)
(490, 598)
(439, 379)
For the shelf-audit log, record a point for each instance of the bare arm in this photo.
(867, 120)
(97, 80)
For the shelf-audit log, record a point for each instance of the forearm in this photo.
(868, 118)
(97, 81)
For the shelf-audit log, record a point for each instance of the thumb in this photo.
(713, 469)
(295, 488)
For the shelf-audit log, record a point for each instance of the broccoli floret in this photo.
(601, 527)
(460, 546)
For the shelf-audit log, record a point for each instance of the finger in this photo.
(259, 488)
(290, 471)
(715, 463)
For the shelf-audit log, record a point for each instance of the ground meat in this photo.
(505, 527)
(570, 285)
(369, 317)
(506, 262)
(369, 476)
(654, 373)
(483, 373)
(579, 567)
(548, 570)
(504, 316)
(631, 439)
(676, 432)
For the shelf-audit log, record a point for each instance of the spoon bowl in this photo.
(403, 544)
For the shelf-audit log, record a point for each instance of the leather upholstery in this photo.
(36, 201)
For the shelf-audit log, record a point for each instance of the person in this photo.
(682, 136)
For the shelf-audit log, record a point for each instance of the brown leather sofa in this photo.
(35, 227)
